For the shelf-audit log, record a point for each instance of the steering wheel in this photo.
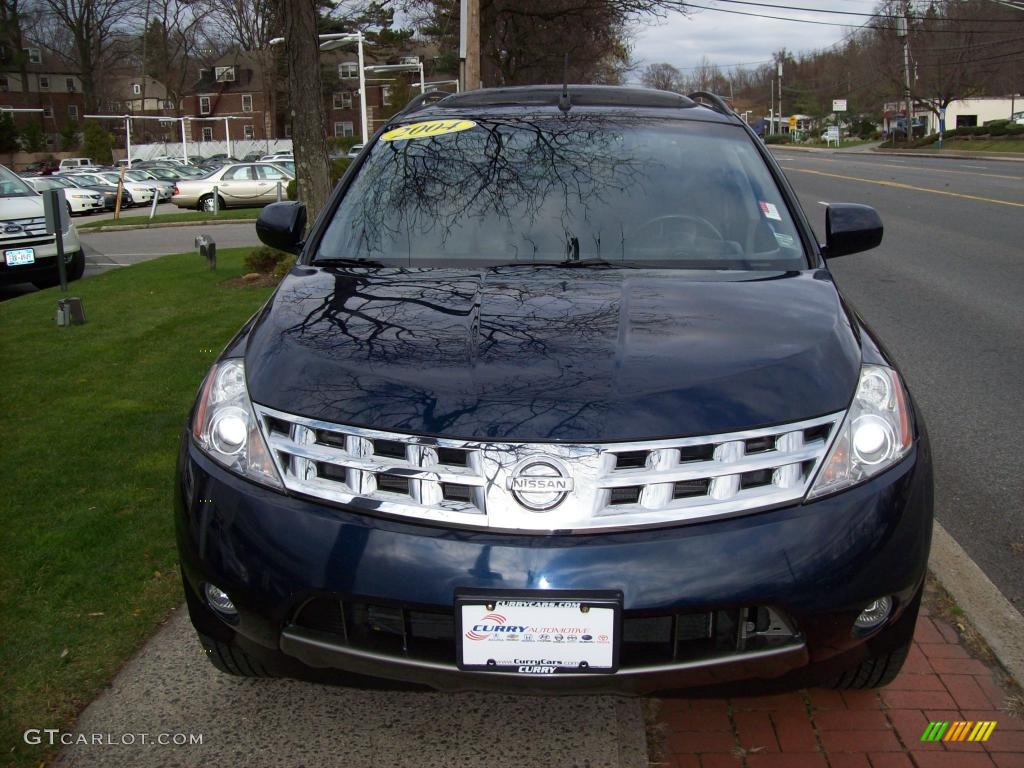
(669, 234)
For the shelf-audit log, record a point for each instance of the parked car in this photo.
(354, 151)
(278, 156)
(82, 201)
(251, 157)
(560, 396)
(238, 185)
(1018, 118)
(141, 193)
(163, 187)
(77, 162)
(29, 253)
(108, 191)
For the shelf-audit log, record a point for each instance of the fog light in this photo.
(875, 613)
(219, 600)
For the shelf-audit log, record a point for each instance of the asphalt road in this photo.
(945, 292)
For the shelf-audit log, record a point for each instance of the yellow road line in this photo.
(898, 185)
(927, 168)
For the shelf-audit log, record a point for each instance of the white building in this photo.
(961, 113)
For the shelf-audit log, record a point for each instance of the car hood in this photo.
(21, 207)
(523, 353)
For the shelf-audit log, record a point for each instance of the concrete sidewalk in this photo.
(170, 688)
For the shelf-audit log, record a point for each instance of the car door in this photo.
(237, 185)
(270, 178)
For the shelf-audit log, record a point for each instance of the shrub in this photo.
(265, 260)
(97, 143)
(284, 265)
(778, 138)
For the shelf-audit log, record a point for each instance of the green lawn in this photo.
(979, 145)
(90, 418)
(166, 218)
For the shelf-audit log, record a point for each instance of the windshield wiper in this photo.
(572, 264)
(346, 262)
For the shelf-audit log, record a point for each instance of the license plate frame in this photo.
(522, 653)
(19, 257)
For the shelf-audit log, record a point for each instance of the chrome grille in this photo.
(614, 484)
(30, 227)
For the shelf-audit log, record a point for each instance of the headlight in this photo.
(226, 427)
(874, 435)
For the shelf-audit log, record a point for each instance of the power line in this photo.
(820, 23)
(874, 15)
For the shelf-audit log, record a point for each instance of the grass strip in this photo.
(171, 218)
(91, 416)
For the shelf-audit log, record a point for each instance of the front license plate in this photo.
(19, 256)
(539, 633)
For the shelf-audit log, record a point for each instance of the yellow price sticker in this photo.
(427, 130)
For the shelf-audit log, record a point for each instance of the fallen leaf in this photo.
(98, 613)
(64, 653)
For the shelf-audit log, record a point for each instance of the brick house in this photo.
(52, 86)
(232, 88)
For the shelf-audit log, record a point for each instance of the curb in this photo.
(995, 617)
(960, 156)
(164, 225)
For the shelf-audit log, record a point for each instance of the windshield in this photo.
(51, 183)
(11, 185)
(572, 188)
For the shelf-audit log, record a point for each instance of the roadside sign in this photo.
(838, 105)
(832, 134)
(792, 122)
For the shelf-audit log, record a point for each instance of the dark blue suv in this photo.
(560, 396)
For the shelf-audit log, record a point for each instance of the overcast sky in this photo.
(728, 39)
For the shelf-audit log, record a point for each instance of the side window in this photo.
(268, 173)
(241, 173)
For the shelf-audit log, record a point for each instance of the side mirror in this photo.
(282, 226)
(851, 228)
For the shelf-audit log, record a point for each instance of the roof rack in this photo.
(419, 101)
(717, 102)
(581, 95)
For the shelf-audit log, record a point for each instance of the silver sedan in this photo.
(235, 186)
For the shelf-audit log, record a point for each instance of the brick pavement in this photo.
(853, 729)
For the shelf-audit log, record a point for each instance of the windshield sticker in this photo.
(427, 130)
(785, 241)
(769, 210)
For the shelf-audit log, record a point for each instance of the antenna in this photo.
(564, 102)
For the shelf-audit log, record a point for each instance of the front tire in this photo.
(874, 672)
(232, 660)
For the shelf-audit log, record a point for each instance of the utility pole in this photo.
(903, 32)
(469, 44)
(780, 96)
(771, 110)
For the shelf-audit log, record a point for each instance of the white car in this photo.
(69, 163)
(142, 193)
(164, 188)
(27, 253)
(80, 200)
(278, 156)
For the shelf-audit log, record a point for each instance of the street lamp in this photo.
(337, 40)
(418, 66)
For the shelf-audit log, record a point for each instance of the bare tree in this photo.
(171, 40)
(524, 41)
(662, 76)
(250, 25)
(94, 30)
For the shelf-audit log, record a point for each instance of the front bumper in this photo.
(817, 564)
